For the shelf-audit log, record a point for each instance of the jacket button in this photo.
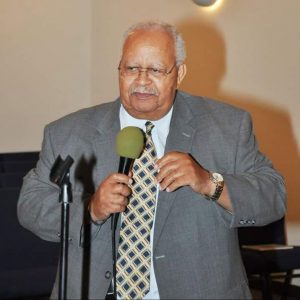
(107, 274)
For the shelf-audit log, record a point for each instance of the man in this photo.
(211, 176)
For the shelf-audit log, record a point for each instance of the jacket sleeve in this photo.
(38, 207)
(256, 189)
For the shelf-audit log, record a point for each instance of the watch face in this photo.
(218, 180)
(217, 177)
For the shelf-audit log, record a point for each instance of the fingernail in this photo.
(130, 181)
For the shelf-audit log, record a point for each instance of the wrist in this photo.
(209, 187)
(93, 218)
(216, 186)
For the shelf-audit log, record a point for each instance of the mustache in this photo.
(143, 90)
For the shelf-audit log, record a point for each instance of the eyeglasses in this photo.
(132, 71)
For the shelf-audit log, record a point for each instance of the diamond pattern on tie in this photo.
(134, 253)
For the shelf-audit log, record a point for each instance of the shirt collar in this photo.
(161, 126)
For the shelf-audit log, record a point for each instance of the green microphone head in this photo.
(130, 142)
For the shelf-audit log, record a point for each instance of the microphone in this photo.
(60, 169)
(129, 146)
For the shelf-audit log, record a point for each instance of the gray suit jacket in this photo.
(195, 248)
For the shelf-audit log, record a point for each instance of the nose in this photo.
(143, 77)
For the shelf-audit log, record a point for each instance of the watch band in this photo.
(218, 180)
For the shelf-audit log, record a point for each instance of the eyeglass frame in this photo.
(162, 72)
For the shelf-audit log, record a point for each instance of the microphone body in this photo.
(124, 168)
(125, 165)
(129, 145)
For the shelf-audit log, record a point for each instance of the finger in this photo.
(171, 156)
(118, 201)
(176, 183)
(169, 180)
(170, 167)
(117, 208)
(122, 189)
(120, 178)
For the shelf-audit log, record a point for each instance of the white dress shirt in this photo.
(159, 136)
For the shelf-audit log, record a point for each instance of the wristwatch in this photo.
(218, 180)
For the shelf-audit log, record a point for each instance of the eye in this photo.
(155, 70)
(131, 69)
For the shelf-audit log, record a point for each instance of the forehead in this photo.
(149, 45)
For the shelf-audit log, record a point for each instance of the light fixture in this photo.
(204, 2)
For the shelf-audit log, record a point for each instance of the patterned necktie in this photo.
(134, 254)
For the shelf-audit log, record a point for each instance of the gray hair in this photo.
(154, 25)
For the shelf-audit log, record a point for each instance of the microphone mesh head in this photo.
(130, 142)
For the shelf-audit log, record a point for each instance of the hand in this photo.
(177, 169)
(110, 197)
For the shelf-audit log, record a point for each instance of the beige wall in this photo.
(45, 66)
(58, 56)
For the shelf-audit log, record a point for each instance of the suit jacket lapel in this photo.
(179, 139)
(106, 129)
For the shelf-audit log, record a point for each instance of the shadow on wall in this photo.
(206, 62)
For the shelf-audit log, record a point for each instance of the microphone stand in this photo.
(60, 175)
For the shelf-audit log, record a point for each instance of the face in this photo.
(144, 96)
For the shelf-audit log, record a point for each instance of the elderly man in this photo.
(202, 177)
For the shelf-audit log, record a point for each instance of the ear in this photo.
(181, 73)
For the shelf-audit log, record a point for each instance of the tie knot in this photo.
(149, 127)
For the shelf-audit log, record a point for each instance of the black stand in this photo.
(60, 175)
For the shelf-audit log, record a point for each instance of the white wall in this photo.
(58, 56)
